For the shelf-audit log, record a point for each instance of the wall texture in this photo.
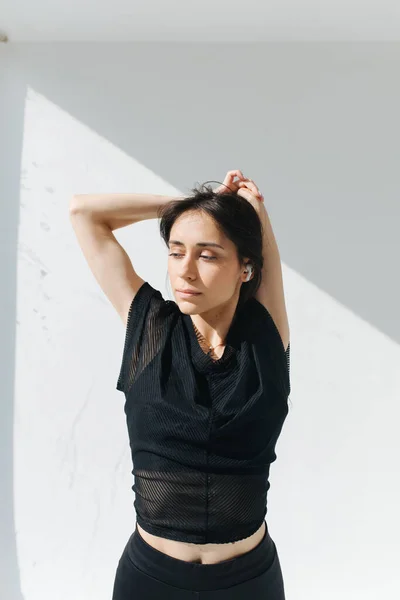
(317, 127)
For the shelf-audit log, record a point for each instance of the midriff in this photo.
(203, 553)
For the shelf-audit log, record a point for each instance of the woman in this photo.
(206, 382)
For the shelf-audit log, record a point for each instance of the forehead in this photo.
(193, 225)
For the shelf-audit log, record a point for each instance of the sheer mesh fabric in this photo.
(202, 432)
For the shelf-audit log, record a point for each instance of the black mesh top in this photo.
(202, 431)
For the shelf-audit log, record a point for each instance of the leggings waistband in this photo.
(189, 575)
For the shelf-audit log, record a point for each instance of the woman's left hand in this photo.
(249, 191)
(234, 186)
(243, 187)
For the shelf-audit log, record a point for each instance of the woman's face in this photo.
(212, 270)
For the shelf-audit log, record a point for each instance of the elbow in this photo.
(75, 204)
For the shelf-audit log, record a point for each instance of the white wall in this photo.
(317, 127)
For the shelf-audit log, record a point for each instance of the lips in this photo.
(188, 292)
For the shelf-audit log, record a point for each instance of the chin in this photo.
(185, 311)
(187, 307)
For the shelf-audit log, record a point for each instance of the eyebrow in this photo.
(178, 243)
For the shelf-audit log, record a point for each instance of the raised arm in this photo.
(271, 291)
(93, 218)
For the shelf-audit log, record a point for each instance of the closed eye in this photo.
(201, 256)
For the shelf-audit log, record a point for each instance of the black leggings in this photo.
(144, 573)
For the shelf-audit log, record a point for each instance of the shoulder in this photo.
(147, 325)
(148, 302)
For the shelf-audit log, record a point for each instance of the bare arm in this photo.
(271, 290)
(119, 210)
(93, 218)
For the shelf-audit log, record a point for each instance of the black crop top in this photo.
(202, 432)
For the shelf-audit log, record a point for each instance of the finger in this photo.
(251, 186)
(254, 187)
(230, 176)
(234, 173)
(249, 192)
(257, 191)
(237, 173)
(228, 179)
(249, 196)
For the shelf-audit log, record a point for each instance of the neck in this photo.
(201, 337)
(213, 325)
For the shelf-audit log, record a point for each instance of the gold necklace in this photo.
(198, 334)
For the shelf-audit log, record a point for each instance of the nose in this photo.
(186, 268)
